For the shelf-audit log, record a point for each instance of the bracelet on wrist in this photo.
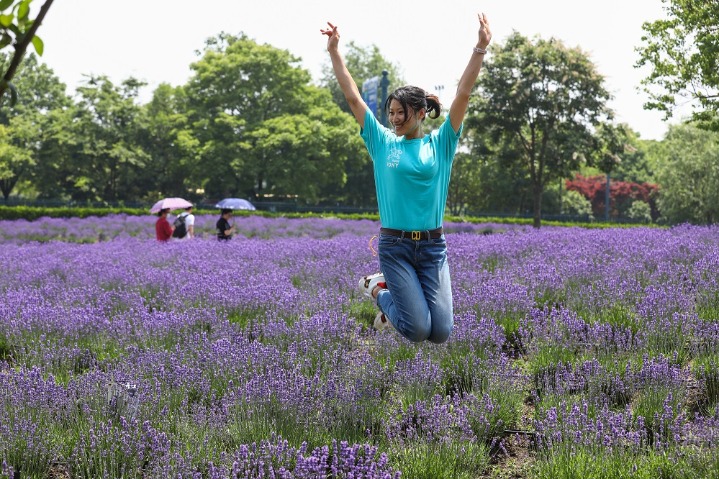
(481, 51)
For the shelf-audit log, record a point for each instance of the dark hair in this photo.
(163, 210)
(224, 211)
(414, 98)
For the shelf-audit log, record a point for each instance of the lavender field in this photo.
(576, 353)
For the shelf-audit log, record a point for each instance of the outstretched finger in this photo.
(329, 31)
(483, 23)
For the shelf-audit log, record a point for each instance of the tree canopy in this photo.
(263, 128)
(689, 175)
(22, 142)
(544, 98)
(682, 52)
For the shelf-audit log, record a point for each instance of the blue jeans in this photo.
(418, 301)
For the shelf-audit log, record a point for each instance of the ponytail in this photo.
(434, 107)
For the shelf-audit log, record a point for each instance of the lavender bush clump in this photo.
(124, 357)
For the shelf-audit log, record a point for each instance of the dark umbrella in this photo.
(235, 204)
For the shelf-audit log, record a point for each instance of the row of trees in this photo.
(250, 122)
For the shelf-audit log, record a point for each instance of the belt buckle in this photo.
(416, 235)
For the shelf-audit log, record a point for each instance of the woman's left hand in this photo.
(333, 36)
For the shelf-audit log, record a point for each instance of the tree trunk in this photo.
(537, 200)
(6, 187)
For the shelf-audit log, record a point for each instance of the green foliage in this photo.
(273, 133)
(636, 163)
(106, 159)
(490, 178)
(15, 22)
(32, 213)
(610, 141)
(465, 184)
(430, 461)
(574, 203)
(6, 349)
(588, 463)
(706, 370)
(24, 126)
(640, 211)
(18, 30)
(558, 200)
(245, 319)
(540, 100)
(172, 165)
(15, 160)
(682, 52)
(688, 171)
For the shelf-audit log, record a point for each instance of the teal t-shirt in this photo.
(411, 176)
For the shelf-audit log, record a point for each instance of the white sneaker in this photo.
(367, 284)
(381, 322)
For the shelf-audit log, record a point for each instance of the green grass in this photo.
(432, 461)
(510, 323)
(708, 307)
(706, 370)
(588, 463)
(6, 350)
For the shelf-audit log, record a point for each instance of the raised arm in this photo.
(466, 83)
(347, 83)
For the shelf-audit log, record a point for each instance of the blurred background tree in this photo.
(682, 52)
(541, 99)
(263, 129)
(26, 125)
(688, 173)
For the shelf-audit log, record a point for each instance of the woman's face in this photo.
(406, 123)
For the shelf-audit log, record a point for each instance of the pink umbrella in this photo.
(172, 203)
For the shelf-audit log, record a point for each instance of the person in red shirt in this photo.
(163, 229)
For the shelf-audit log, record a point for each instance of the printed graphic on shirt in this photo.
(393, 157)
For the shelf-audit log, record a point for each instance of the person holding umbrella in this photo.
(224, 228)
(163, 228)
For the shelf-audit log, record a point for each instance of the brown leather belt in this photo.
(414, 235)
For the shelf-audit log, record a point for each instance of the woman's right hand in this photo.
(485, 34)
(333, 36)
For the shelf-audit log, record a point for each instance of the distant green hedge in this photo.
(31, 213)
(34, 212)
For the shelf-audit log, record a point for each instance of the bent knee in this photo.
(439, 338)
(418, 334)
(441, 332)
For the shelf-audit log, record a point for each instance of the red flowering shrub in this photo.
(621, 194)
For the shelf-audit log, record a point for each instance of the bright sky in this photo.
(156, 40)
